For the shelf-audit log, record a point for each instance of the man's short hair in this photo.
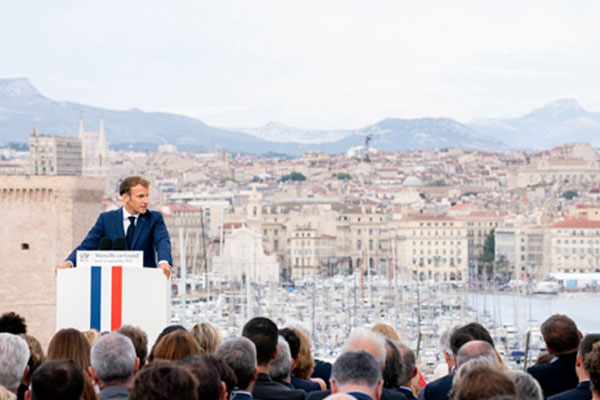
(560, 334)
(356, 367)
(281, 366)
(528, 388)
(587, 344)
(264, 333)
(139, 338)
(57, 380)
(164, 380)
(293, 341)
(14, 355)
(476, 349)
(227, 374)
(409, 362)
(129, 182)
(240, 354)
(113, 358)
(369, 341)
(207, 374)
(392, 373)
(483, 382)
(468, 332)
(592, 367)
(11, 322)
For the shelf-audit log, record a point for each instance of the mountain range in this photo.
(23, 107)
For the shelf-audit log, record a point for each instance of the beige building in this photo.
(94, 151)
(521, 252)
(54, 155)
(45, 217)
(433, 247)
(575, 245)
(310, 252)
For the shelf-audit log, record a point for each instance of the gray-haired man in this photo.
(358, 374)
(114, 364)
(240, 354)
(14, 354)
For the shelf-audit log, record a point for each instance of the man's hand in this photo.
(65, 265)
(166, 268)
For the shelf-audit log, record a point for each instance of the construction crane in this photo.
(368, 138)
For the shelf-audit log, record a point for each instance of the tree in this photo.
(569, 194)
(343, 176)
(437, 182)
(489, 248)
(294, 176)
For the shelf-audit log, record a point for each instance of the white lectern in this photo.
(109, 289)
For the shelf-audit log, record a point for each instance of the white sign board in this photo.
(87, 259)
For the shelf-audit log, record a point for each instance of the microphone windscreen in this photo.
(119, 244)
(106, 243)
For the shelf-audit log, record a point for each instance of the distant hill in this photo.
(22, 107)
(556, 123)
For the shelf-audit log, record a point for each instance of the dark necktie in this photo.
(130, 231)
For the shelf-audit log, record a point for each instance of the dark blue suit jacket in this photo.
(557, 376)
(581, 392)
(438, 389)
(150, 236)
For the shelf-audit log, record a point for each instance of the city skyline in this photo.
(311, 65)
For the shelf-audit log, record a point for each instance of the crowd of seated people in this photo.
(267, 362)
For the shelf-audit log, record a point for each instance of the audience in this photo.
(386, 331)
(36, 358)
(483, 381)
(164, 332)
(91, 335)
(582, 390)
(164, 380)
(562, 340)
(304, 365)
(176, 345)
(113, 365)
(358, 374)
(14, 355)
(72, 345)
(409, 371)
(210, 385)
(240, 354)
(526, 385)
(281, 366)
(293, 340)
(393, 365)
(227, 376)
(11, 322)
(264, 334)
(207, 336)
(139, 339)
(57, 380)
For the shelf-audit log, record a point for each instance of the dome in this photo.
(412, 181)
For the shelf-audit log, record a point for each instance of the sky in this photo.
(311, 64)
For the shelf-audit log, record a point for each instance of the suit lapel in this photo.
(118, 220)
(139, 227)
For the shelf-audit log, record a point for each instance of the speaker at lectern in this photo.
(109, 289)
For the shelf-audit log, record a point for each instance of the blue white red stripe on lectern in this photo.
(95, 296)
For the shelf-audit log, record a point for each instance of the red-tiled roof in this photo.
(576, 223)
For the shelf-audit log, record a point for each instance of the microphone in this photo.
(119, 244)
(106, 243)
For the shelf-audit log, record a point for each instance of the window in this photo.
(358, 244)
(275, 245)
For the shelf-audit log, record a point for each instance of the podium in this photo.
(109, 289)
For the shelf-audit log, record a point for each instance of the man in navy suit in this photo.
(358, 374)
(143, 229)
(582, 390)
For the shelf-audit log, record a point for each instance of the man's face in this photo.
(136, 201)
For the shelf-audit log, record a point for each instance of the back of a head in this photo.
(386, 331)
(528, 388)
(263, 333)
(293, 340)
(305, 363)
(163, 333)
(163, 380)
(207, 336)
(281, 366)
(409, 362)
(14, 355)
(587, 344)
(369, 341)
(483, 382)
(392, 373)
(176, 345)
(207, 375)
(592, 367)
(356, 368)
(475, 349)
(467, 333)
(36, 353)
(57, 380)
(560, 334)
(11, 322)
(226, 373)
(240, 354)
(139, 338)
(70, 344)
(113, 358)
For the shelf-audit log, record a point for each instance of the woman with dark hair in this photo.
(70, 344)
